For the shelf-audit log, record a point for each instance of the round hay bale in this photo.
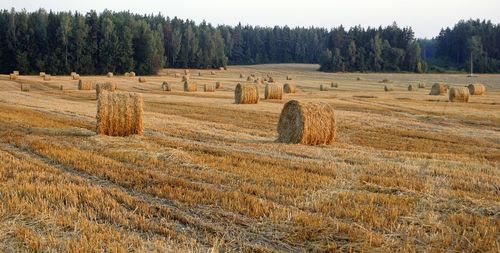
(212, 73)
(421, 85)
(176, 75)
(246, 94)
(257, 81)
(85, 85)
(358, 78)
(185, 78)
(199, 73)
(221, 68)
(438, 89)
(131, 74)
(271, 79)
(249, 79)
(25, 87)
(241, 75)
(410, 87)
(186, 72)
(476, 89)
(61, 87)
(288, 77)
(209, 88)
(459, 94)
(126, 74)
(190, 86)
(307, 123)
(166, 86)
(289, 88)
(76, 77)
(225, 67)
(107, 86)
(323, 88)
(385, 81)
(142, 80)
(273, 91)
(388, 87)
(334, 85)
(119, 113)
(13, 76)
(109, 74)
(47, 77)
(42, 74)
(218, 85)
(15, 72)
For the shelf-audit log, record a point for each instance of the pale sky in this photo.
(426, 17)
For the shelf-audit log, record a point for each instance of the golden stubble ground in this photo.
(409, 171)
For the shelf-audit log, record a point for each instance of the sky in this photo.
(426, 17)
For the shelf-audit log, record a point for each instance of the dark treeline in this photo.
(97, 43)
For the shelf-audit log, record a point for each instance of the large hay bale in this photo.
(458, 94)
(388, 87)
(334, 85)
(439, 89)
(25, 87)
(307, 123)
(185, 78)
(218, 85)
(109, 74)
(273, 91)
(142, 80)
(13, 76)
(119, 113)
(209, 88)
(107, 86)
(421, 85)
(288, 77)
(42, 74)
(476, 89)
(166, 86)
(85, 85)
(131, 74)
(323, 88)
(76, 77)
(190, 86)
(47, 77)
(246, 94)
(410, 87)
(289, 88)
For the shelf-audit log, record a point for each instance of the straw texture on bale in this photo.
(459, 94)
(190, 86)
(185, 78)
(307, 123)
(476, 89)
(289, 88)
(42, 74)
(109, 74)
(25, 87)
(388, 87)
(410, 87)
(85, 85)
(119, 113)
(13, 76)
(273, 91)
(421, 85)
(218, 85)
(334, 85)
(131, 74)
(76, 77)
(439, 89)
(47, 77)
(323, 88)
(246, 94)
(166, 86)
(142, 79)
(209, 88)
(107, 86)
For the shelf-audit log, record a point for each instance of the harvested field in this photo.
(407, 171)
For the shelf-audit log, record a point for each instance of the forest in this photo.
(97, 43)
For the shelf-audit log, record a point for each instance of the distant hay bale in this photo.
(76, 77)
(119, 113)
(221, 68)
(13, 76)
(334, 85)
(190, 86)
(107, 86)
(166, 86)
(142, 80)
(85, 85)
(218, 85)
(459, 94)
(212, 73)
(476, 89)
(289, 88)
(61, 87)
(185, 78)
(358, 78)
(199, 73)
(47, 77)
(72, 74)
(388, 87)
(225, 67)
(323, 87)
(246, 94)
(126, 74)
(186, 72)
(131, 74)
(273, 91)
(249, 79)
(385, 81)
(410, 87)
(176, 75)
(421, 85)
(307, 123)
(209, 88)
(110, 74)
(25, 87)
(439, 89)
(42, 74)
(15, 72)
(271, 79)
(241, 75)
(288, 78)
(257, 81)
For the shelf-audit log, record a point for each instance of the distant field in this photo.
(408, 172)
